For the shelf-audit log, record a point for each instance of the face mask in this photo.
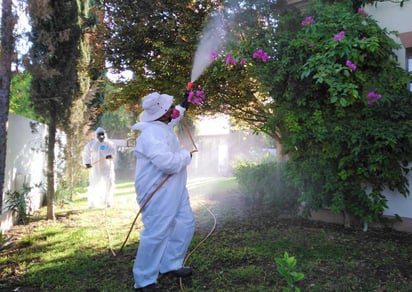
(175, 113)
(100, 137)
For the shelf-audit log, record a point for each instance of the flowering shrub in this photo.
(335, 99)
(343, 119)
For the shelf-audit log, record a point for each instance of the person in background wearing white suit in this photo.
(98, 156)
(168, 217)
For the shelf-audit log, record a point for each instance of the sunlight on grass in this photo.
(80, 250)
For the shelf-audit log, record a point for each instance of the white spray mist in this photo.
(212, 40)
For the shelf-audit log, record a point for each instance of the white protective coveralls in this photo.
(101, 176)
(168, 217)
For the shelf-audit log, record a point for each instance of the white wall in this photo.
(395, 18)
(26, 162)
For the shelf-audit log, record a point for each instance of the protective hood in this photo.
(100, 130)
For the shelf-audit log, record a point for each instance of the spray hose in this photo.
(142, 207)
(200, 243)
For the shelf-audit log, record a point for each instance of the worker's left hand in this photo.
(108, 157)
(185, 101)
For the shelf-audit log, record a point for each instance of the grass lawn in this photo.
(79, 251)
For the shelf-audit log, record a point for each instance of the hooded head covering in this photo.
(100, 130)
(155, 105)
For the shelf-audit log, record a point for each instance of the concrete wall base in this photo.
(7, 220)
(348, 220)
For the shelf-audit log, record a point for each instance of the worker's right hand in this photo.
(88, 165)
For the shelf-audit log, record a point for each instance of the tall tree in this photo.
(156, 40)
(56, 30)
(8, 21)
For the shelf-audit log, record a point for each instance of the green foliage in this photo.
(344, 148)
(344, 151)
(241, 89)
(266, 182)
(19, 96)
(117, 123)
(156, 40)
(18, 201)
(286, 266)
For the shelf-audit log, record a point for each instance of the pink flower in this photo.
(308, 20)
(197, 100)
(200, 93)
(190, 96)
(230, 59)
(243, 61)
(311, 45)
(362, 11)
(197, 96)
(373, 97)
(351, 66)
(260, 54)
(213, 55)
(339, 36)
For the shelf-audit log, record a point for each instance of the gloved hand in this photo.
(108, 157)
(185, 103)
(88, 165)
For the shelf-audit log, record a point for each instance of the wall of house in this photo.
(392, 16)
(396, 18)
(26, 164)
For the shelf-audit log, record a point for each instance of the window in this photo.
(409, 64)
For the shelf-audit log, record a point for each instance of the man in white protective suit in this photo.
(168, 217)
(98, 157)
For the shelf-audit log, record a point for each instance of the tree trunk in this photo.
(50, 163)
(6, 53)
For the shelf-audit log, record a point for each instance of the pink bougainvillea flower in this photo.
(260, 54)
(243, 61)
(213, 55)
(230, 59)
(175, 113)
(197, 100)
(196, 96)
(351, 66)
(362, 11)
(339, 36)
(200, 93)
(373, 97)
(190, 96)
(308, 20)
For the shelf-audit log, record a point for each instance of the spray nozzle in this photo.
(189, 86)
